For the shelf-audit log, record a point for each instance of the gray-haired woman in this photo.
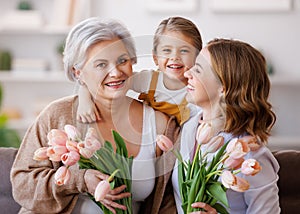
(100, 55)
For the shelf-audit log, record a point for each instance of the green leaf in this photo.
(217, 191)
(181, 180)
(220, 208)
(121, 146)
(195, 189)
(108, 145)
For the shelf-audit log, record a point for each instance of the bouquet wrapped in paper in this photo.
(68, 147)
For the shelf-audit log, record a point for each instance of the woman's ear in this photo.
(221, 91)
(77, 74)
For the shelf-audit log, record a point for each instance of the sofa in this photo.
(288, 183)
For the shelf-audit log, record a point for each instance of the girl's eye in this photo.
(166, 50)
(122, 61)
(184, 51)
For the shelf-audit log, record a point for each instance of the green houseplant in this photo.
(8, 136)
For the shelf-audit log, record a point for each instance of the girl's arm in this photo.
(87, 110)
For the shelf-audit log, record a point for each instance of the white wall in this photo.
(276, 34)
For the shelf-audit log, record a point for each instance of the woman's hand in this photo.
(93, 177)
(205, 206)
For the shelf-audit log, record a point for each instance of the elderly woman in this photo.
(99, 55)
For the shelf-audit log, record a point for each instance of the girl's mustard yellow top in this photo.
(181, 111)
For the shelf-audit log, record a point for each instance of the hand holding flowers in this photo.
(213, 161)
(68, 147)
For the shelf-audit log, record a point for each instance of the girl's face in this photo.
(204, 88)
(175, 54)
(107, 70)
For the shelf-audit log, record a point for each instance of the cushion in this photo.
(7, 203)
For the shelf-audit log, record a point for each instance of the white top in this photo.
(261, 197)
(141, 83)
(143, 169)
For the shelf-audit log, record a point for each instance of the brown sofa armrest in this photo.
(289, 177)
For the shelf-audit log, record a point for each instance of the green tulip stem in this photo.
(179, 157)
(194, 160)
(110, 178)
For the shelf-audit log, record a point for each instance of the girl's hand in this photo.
(88, 113)
(205, 206)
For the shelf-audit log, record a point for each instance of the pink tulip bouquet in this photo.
(213, 168)
(68, 147)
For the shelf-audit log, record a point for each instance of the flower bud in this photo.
(102, 190)
(204, 133)
(85, 152)
(234, 182)
(213, 144)
(62, 176)
(55, 152)
(41, 154)
(164, 143)
(250, 167)
(72, 132)
(237, 148)
(57, 137)
(70, 158)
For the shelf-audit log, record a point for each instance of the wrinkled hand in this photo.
(113, 195)
(93, 177)
(205, 206)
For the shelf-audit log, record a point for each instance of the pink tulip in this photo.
(213, 144)
(240, 185)
(233, 163)
(72, 132)
(57, 137)
(252, 142)
(204, 133)
(70, 158)
(41, 154)
(237, 148)
(233, 182)
(91, 132)
(227, 178)
(102, 190)
(92, 143)
(72, 145)
(85, 152)
(250, 167)
(164, 143)
(55, 152)
(62, 175)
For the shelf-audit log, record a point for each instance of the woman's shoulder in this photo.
(62, 107)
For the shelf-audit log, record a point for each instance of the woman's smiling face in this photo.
(107, 70)
(204, 88)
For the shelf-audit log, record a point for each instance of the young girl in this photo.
(230, 83)
(176, 44)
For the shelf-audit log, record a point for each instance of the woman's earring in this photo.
(77, 74)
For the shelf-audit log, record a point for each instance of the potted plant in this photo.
(8, 136)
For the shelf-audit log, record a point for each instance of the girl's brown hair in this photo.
(178, 24)
(242, 71)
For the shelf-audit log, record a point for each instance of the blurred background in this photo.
(32, 35)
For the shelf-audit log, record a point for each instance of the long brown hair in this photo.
(242, 71)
